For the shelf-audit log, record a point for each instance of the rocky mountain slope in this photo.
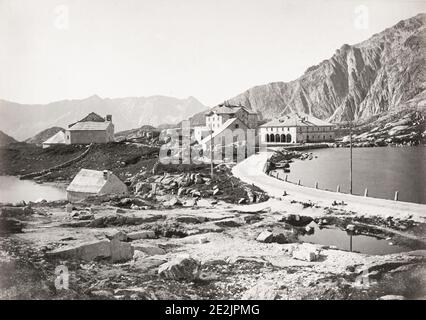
(23, 121)
(384, 73)
(5, 139)
(42, 136)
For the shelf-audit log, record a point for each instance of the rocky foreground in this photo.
(211, 249)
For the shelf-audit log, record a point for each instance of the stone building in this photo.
(92, 182)
(91, 129)
(296, 128)
(220, 114)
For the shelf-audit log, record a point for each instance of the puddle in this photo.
(333, 236)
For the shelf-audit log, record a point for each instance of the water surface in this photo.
(13, 190)
(333, 236)
(382, 170)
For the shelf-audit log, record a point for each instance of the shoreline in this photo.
(251, 171)
(313, 179)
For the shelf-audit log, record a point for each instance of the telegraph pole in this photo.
(350, 147)
(211, 152)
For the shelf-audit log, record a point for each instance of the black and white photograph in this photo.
(212, 150)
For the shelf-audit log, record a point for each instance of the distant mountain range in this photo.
(382, 74)
(42, 136)
(23, 121)
(5, 139)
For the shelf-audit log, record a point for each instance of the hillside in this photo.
(5, 139)
(382, 74)
(23, 121)
(42, 136)
(137, 133)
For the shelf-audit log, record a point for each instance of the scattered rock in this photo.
(15, 212)
(121, 251)
(149, 250)
(146, 234)
(87, 251)
(252, 218)
(191, 219)
(265, 236)
(305, 252)
(10, 225)
(172, 202)
(350, 227)
(117, 235)
(68, 207)
(102, 294)
(180, 268)
(392, 297)
(309, 229)
(242, 201)
(280, 238)
(94, 250)
(297, 220)
(264, 290)
(230, 223)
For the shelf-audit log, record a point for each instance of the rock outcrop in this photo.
(384, 73)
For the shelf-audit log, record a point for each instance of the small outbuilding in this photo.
(92, 182)
(58, 138)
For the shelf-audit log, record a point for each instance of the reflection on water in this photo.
(382, 170)
(333, 236)
(13, 190)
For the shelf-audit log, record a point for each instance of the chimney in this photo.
(108, 117)
(106, 174)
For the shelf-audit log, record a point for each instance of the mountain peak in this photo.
(378, 75)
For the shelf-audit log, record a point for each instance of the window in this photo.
(237, 126)
(267, 138)
(288, 138)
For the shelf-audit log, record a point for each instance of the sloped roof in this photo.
(57, 138)
(220, 129)
(92, 117)
(89, 125)
(297, 120)
(88, 181)
(229, 109)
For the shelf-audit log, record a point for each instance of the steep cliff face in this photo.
(381, 74)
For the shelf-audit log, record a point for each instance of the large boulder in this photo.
(172, 202)
(265, 236)
(115, 250)
(10, 225)
(120, 251)
(87, 251)
(15, 212)
(183, 268)
(264, 290)
(305, 252)
(297, 220)
(145, 234)
(149, 249)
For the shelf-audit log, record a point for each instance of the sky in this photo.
(212, 50)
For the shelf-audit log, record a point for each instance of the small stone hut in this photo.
(92, 182)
